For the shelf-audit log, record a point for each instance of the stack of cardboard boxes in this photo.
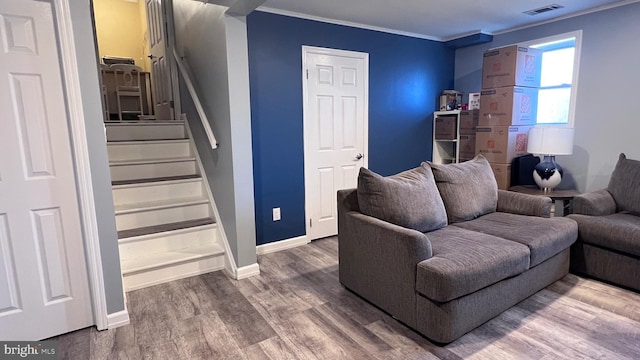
(468, 124)
(508, 106)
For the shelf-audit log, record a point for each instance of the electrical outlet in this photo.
(276, 214)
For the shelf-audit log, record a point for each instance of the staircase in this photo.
(166, 228)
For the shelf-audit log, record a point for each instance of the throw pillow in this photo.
(468, 189)
(409, 199)
(624, 185)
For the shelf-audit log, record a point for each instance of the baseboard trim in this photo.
(247, 271)
(117, 319)
(282, 245)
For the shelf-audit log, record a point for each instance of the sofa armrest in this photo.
(596, 203)
(523, 204)
(378, 260)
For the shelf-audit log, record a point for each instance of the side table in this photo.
(562, 198)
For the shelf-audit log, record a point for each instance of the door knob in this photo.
(151, 56)
(359, 156)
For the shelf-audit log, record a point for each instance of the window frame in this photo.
(577, 34)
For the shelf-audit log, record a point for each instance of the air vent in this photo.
(544, 9)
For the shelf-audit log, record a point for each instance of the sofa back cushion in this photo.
(468, 189)
(409, 199)
(625, 184)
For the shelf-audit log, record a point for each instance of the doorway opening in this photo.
(132, 38)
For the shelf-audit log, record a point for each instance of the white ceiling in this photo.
(437, 20)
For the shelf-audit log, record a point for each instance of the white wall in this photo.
(607, 121)
(215, 47)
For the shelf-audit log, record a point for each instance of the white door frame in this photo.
(80, 148)
(170, 43)
(305, 111)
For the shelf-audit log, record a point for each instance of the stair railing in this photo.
(186, 75)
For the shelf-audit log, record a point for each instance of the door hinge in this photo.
(171, 103)
(310, 222)
(307, 74)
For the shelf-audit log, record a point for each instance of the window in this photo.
(558, 82)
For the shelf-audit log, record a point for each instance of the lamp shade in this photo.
(550, 140)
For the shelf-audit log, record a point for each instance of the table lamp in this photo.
(549, 141)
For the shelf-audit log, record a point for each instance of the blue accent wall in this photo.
(406, 76)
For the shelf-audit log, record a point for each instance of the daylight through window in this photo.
(554, 97)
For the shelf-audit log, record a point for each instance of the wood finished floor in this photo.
(297, 309)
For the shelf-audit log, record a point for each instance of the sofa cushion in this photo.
(545, 237)
(625, 184)
(468, 189)
(409, 199)
(465, 261)
(619, 232)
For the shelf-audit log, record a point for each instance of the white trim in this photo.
(346, 23)
(247, 271)
(230, 267)
(82, 164)
(117, 319)
(170, 43)
(568, 16)
(577, 34)
(305, 111)
(282, 245)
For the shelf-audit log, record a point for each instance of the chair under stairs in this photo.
(166, 227)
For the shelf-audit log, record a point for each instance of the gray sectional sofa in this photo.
(442, 250)
(608, 246)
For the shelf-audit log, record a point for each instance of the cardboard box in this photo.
(511, 105)
(474, 101)
(511, 66)
(500, 144)
(467, 146)
(469, 122)
(445, 128)
(502, 172)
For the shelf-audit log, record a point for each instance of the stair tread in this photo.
(151, 161)
(153, 261)
(147, 141)
(159, 204)
(156, 179)
(164, 227)
(169, 233)
(144, 122)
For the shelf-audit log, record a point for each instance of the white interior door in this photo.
(160, 67)
(44, 287)
(335, 86)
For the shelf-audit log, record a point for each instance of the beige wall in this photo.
(121, 29)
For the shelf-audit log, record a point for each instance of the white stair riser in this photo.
(144, 171)
(168, 242)
(174, 272)
(148, 151)
(127, 132)
(162, 216)
(165, 190)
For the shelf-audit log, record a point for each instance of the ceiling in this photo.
(437, 20)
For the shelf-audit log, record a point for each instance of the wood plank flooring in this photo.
(297, 309)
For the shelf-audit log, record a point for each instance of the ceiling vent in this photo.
(544, 9)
